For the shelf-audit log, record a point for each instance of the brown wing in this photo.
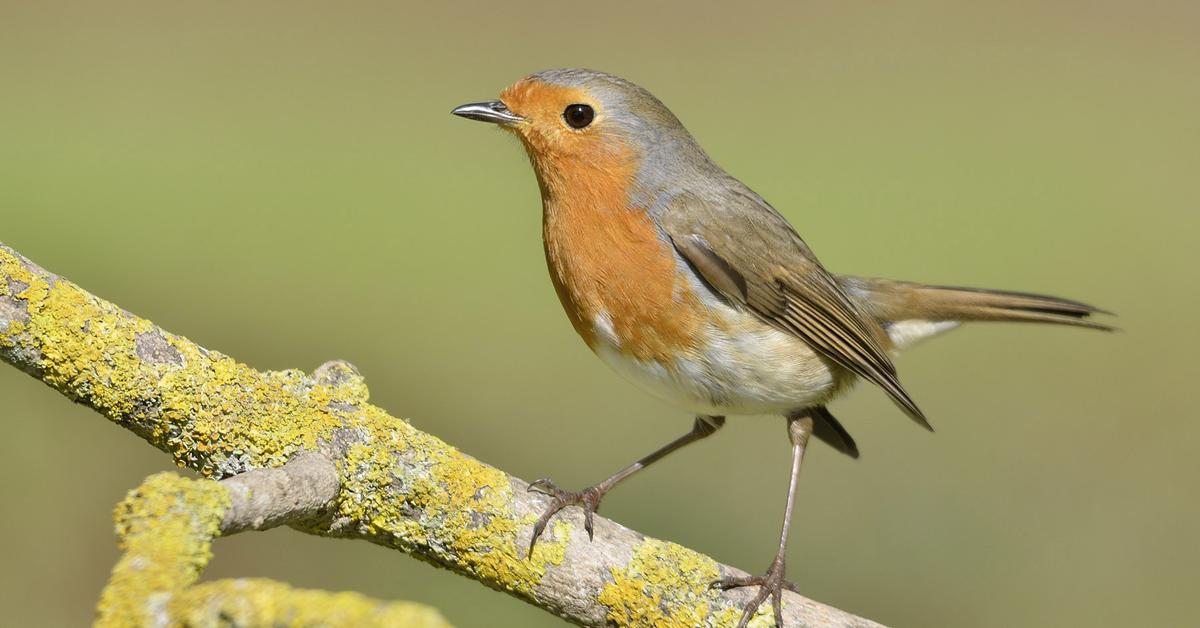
(749, 253)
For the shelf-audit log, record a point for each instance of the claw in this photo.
(726, 584)
(543, 486)
(588, 499)
(537, 531)
(769, 585)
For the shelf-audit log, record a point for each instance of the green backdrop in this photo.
(283, 182)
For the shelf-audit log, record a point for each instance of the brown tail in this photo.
(894, 301)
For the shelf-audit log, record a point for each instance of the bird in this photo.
(686, 282)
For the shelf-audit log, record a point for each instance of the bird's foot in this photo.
(588, 499)
(770, 585)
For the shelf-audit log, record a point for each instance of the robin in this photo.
(686, 282)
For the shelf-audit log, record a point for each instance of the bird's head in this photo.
(575, 122)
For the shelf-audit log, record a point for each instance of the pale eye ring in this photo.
(578, 115)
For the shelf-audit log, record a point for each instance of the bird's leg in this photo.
(800, 427)
(589, 498)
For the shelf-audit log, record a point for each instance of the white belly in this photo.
(746, 367)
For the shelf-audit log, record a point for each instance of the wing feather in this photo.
(751, 255)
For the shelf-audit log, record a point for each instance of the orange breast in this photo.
(606, 260)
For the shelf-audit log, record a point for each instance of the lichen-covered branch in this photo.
(397, 486)
(167, 526)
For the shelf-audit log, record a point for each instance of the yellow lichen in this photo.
(258, 602)
(456, 508)
(166, 527)
(400, 487)
(208, 411)
(664, 585)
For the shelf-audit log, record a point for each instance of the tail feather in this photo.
(827, 428)
(896, 301)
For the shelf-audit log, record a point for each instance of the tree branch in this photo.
(303, 489)
(396, 486)
(167, 526)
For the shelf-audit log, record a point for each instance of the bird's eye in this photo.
(578, 116)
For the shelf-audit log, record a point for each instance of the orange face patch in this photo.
(544, 131)
(606, 258)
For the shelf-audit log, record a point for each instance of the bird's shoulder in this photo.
(741, 227)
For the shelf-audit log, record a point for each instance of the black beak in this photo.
(492, 111)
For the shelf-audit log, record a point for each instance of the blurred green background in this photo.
(282, 182)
